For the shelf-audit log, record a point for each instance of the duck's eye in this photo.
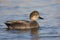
(36, 15)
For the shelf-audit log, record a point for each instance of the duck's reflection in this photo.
(34, 34)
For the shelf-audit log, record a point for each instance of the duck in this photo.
(24, 24)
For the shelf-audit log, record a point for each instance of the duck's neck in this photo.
(34, 24)
(34, 21)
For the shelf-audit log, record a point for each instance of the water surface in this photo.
(20, 10)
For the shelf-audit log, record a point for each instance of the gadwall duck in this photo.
(23, 24)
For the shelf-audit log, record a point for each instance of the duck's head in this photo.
(34, 16)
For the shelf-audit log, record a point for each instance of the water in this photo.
(21, 9)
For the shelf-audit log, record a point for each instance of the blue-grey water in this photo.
(49, 28)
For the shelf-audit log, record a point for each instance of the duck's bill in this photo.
(41, 18)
